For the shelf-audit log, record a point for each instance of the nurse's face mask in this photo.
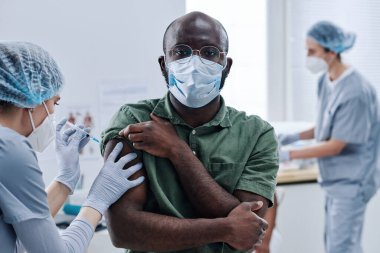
(194, 80)
(318, 58)
(316, 64)
(44, 134)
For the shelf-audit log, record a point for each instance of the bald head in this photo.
(196, 29)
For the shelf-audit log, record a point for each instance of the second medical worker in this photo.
(347, 137)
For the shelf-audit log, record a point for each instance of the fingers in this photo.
(126, 159)
(77, 137)
(137, 181)
(132, 170)
(136, 137)
(156, 118)
(264, 224)
(255, 205)
(66, 135)
(133, 128)
(115, 152)
(139, 145)
(83, 142)
(60, 125)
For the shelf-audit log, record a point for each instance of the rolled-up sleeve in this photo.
(119, 121)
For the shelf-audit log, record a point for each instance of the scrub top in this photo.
(22, 190)
(348, 111)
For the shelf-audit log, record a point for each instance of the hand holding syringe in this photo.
(82, 130)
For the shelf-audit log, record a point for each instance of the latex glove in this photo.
(67, 147)
(286, 139)
(284, 156)
(112, 181)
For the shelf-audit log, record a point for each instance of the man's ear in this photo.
(226, 71)
(228, 66)
(161, 61)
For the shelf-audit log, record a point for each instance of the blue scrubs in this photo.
(25, 221)
(348, 111)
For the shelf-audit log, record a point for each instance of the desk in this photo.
(296, 176)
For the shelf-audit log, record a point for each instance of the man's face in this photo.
(196, 34)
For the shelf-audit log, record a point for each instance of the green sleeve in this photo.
(119, 121)
(259, 174)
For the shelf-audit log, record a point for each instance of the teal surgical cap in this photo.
(28, 74)
(332, 37)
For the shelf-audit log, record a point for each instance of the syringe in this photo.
(80, 129)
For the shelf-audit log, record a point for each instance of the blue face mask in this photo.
(194, 83)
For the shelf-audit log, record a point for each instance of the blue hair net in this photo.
(28, 74)
(332, 37)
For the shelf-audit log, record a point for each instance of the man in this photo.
(210, 169)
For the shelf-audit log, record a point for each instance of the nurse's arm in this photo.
(56, 195)
(133, 228)
(322, 149)
(308, 134)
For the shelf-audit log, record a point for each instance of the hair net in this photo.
(28, 74)
(332, 37)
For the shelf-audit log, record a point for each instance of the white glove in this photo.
(286, 139)
(67, 147)
(284, 156)
(112, 181)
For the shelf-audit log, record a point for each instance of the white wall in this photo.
(276, 53)
(94, 42)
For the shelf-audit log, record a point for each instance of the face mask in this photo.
(316, 64)
(194, 83)
(44, 134)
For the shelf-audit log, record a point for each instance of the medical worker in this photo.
(346, 132)
(30, 82)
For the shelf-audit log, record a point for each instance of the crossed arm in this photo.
(131, 227)
(224, 215)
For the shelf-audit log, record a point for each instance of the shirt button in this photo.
(195, 153)
(194, 132)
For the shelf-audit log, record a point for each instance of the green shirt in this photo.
(239, 152)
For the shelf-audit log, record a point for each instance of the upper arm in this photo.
(134, 199)
(259, 175)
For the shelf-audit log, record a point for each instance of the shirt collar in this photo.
(164, 109)
(333, 84)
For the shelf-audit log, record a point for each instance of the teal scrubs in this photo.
(348, 111)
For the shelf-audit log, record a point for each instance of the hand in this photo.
(112, 181)
(155, 137)
(284, 156)
(286, 139)
(247, 229)
(67, 147)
